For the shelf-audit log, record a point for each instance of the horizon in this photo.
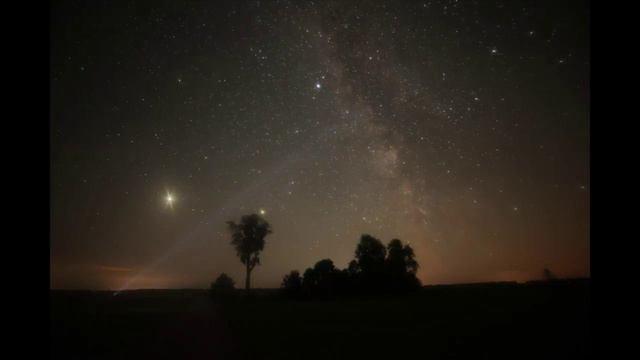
(278, 288)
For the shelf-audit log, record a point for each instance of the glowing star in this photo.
(262, 212)
(318, 86)
(169, 200)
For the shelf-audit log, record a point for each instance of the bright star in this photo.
(318, 86)
(262, 212)
(169, 200)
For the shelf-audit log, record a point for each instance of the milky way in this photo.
(460, 127)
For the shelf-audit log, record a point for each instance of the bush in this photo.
(223, 286)
(292, 284)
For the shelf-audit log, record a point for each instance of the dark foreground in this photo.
(484, 321)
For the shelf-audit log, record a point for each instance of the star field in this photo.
(461, 127)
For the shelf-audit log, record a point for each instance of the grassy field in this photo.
(483, 321)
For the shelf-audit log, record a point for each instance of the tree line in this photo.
(375, 269)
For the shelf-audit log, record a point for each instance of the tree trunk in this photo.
(247, 279)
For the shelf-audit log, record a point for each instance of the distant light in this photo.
(262, 212)
(169, 200)
(318, 86)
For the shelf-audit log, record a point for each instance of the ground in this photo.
(483, 321)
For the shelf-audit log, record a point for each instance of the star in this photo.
(170, 200)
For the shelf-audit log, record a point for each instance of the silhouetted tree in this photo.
(400, 259)
(325, 280)
(324, 268)
(370, 254)
(248, 239)
(401, 267)
(292, 284)
(324, 277)
(370, 259)
(223, 285)
(309, 282)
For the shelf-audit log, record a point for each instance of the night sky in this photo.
(460, 127)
